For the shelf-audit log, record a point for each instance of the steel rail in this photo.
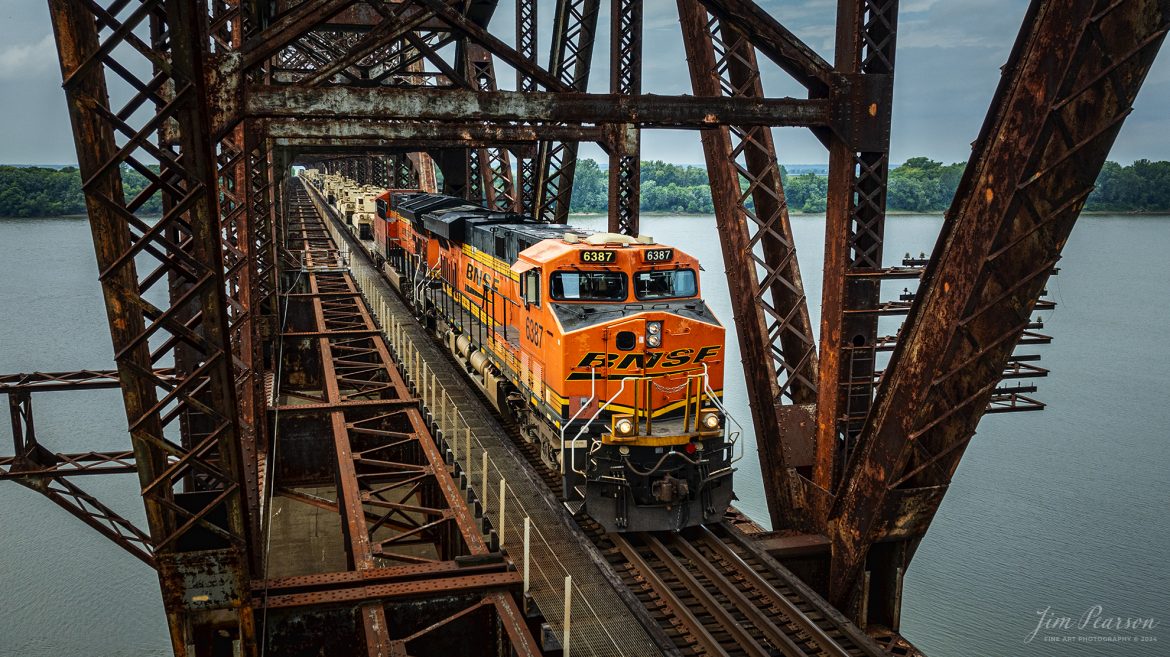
(697, 574)
(789, 608)
(801, 590)
(702, 593)
(757, 617)
(670, 599)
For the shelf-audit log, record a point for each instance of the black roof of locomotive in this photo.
(418, 204)
(453, 223)
(502, 234)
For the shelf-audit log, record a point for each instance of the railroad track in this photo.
(711, 592)
(714, 595)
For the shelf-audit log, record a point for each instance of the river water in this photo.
(1063, 510)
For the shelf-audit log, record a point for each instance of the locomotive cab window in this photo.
(381, 206)
(588, 286)
(530, 286)
(666, 284)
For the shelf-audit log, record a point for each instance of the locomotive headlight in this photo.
(623, 425)
(710, 421)
(654, 334)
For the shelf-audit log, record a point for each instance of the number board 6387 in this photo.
(658, 255)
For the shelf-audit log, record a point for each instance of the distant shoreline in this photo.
(889, 213)
(794, 213)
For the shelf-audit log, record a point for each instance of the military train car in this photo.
(599, 345)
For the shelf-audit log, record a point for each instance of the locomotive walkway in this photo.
(602, 620)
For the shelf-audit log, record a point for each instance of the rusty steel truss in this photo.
(212, 101)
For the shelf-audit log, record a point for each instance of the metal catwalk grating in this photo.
(602, 624)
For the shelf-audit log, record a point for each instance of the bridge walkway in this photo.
(606, 620)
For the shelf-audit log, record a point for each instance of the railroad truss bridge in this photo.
(265, 366)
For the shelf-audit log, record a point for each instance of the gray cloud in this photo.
(949, 54)
(19, 61)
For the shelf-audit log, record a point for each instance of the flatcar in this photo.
(598, 345)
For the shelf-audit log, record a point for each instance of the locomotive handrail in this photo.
(427, 274)
(731, 439)
(573, 454)
(587, 404)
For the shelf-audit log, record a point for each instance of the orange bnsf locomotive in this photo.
(598, 345)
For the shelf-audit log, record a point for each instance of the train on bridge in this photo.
(598, 346)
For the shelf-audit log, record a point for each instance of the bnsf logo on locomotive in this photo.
(676, 358)
(478, 277)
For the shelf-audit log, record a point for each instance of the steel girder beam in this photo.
(307, 44)
(1069, 84)
(288, 27)
(855, 230)
(489, 169)
(361, 170)
(479, 35)
(362, 136)
(403, 516)
(404, 175)
(195, 508)
(526, 41)
(38, 469)
(574, 32)
(390, 583)
(527, 161)
(474, 172)
(775, 42)
(58, 381)
(68, 465)
(625, 79)
(423, 171)
(767, 294)
(379, 168)
(468, 106)
(248, 260)
(263, 181)
(355, 53)
(243, 285)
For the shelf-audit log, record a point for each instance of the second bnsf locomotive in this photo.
(599, 345)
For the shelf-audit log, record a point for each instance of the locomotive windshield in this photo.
(671, 284)
(588, 286)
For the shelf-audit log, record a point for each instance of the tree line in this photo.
(45, 192)
(917, 185)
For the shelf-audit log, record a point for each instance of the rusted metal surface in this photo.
(767, 294)
(58, 381)
(492, 168)
(328, 135)
(625, 80)
(403, 518)
(466, 106)
(855, 229)
(192, 489)
(39, 469)
(776, 42)
(570, 60)
(1067, 88)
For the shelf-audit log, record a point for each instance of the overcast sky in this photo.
(949, 54)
